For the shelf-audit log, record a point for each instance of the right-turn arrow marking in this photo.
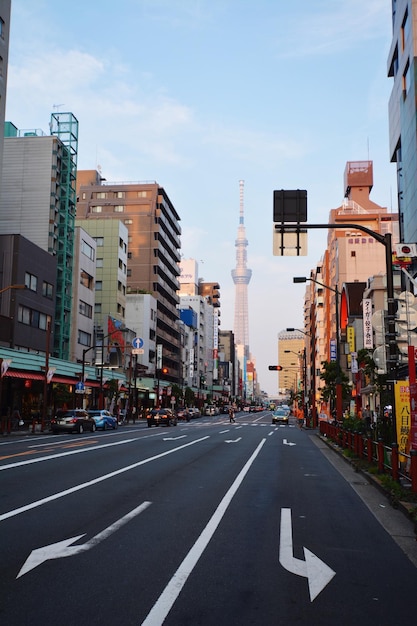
(314, 569)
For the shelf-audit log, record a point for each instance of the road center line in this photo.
(166, 600)
(95, 481)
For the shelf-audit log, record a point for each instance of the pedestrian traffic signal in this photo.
(276, 368)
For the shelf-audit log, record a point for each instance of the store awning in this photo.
(27, 375)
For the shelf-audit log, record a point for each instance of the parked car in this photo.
(225, 408)
(158, 417)
(280, 416)
(103, 419)
(74, 421)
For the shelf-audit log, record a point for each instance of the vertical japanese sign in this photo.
(368, 340)
(402, 415)
(413, 407)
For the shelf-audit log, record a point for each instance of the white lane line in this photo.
(61, 454)
(95, 481)
(166, 600)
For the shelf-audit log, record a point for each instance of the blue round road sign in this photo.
(137, 342)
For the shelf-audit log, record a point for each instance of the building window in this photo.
(87, 250)
(99, 285)
(128, 222)
(119, 194)
(31, 281)
(97, 308)
(142, 194)
(101, 195)
(129, 273)
(129, 255)
(86, 279)
(33, 318)
(83, 195)
(96, 209)
(1, 28)
(99, 241)
(406, 79)
(84, 339)
(85, 309)
(47, 290)
(405, 30)
(353, 253)
(99, 263)
(119, 208)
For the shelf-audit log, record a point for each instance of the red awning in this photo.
(27, 375)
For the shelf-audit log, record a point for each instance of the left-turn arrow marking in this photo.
(314, 569)
(64, 548)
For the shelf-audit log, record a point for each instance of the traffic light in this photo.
(165, 370)
(276, 368)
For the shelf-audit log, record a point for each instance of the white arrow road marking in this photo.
(318, 573)
(288, 443)
(233, 440)
(173, 438)
(63, 548)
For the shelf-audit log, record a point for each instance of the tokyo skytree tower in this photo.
(241, 276)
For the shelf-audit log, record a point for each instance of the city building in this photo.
(37, 200)
(83, 294)
(5, 9)
(291, 357)
(402, 111)
(153, 253)
(27, 294)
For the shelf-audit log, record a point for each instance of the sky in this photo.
(200, 94)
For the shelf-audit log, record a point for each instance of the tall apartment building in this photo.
(5, 6)
(403, 113)
(153, 255)
(37, 200)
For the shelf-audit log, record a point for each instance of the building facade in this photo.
(153, 255)
(5, 6)
(37, 200)
(403, 113)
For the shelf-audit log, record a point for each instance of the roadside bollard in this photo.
(413, 470)
(394, 462)
(380, 456)
(369, 450)
(360, 445)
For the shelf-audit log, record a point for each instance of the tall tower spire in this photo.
(241, 276)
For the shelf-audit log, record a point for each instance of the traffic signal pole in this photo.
(385, 240)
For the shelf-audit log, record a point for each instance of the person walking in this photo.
(231, 415)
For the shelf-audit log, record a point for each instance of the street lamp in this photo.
(339, 403)
(93, 347)
(12, 287)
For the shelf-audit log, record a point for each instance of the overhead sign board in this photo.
(290, 205)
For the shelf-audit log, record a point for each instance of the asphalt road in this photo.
(207, 523)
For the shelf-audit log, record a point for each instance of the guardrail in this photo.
(402, 467)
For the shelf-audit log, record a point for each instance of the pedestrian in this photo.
(300, 417)
(16, 418)
(231, 415)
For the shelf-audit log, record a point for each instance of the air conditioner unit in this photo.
(406, 250)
